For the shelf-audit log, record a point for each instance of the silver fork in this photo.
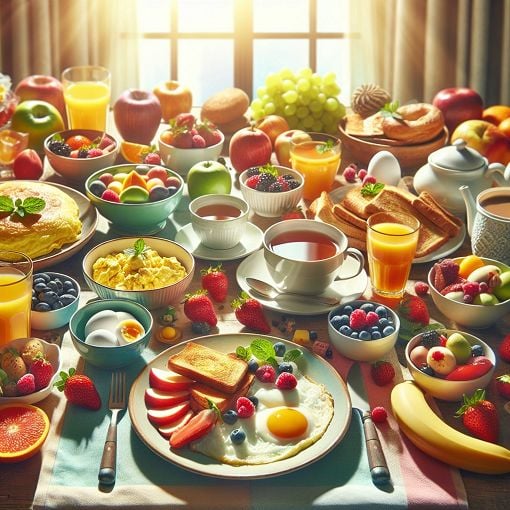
(116, 404)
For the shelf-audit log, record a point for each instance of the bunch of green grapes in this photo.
(306, 100)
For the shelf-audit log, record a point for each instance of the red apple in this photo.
(43, 88)
(167, 380)
(249, 147)
(458, 104)
(168, 430)
(137, 115)
(486, 138)
(282, 144)
(174, 98)
(167, 415)
(157, 399)
(272, 125)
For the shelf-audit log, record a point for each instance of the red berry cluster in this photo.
(187, 132)
(352, 173)
(79, 146)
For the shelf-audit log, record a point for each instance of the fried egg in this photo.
(285, 422)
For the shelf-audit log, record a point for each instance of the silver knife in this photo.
(376, 459)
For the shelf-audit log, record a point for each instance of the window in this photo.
(213, 44)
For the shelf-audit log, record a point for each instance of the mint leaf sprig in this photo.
(22, 208)
(263, 351)
(325, 147)
(138, 249)
(372, 189)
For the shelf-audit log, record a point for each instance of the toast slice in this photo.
(213, 368)
(357, 203)
(430, 207)
(344, 214)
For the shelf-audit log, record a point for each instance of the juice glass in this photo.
(15, 295)
(87, 96)
(391, 245)
(317, 160)
(11, 144)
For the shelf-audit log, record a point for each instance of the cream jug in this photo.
(488, 222)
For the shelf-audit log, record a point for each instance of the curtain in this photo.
(414, 48)
(46, 36)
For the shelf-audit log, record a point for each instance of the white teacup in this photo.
(219, 220)
(306, 256)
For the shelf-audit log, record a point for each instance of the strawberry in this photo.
(503, 386)
(199, 308)
(152, 158)
(249, 313)
(183, 140)
(185, 120)
(198, 141)
(215, 281)
(42, 371)
(293, 214)
(209, 133)
(480, 416)
(414, 309)
(504, 349)
(197, 427)
(382, 373)
(25, 385)
(79, 390)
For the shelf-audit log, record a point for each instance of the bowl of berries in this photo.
(29, 368)
(271, 190)
(136, 199)
(472, 291)
(449, 363)
(363, 330)
(188, 141)
(77, 153)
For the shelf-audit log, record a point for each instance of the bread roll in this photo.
(225, 106)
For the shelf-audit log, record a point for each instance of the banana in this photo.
(432, 435)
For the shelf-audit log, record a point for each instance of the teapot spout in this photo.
(470, 207)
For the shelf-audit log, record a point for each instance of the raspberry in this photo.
(153, 158)
(266, 374)
(471, 288)
(421, 288)
(453, 287)
(253, 181)
(379, 414)
(372, 319)
(245, 407)
(450, 270)
(358, 319)
(286, 381)
(94, 153)
(349, 174)
(198, 142)
(362, 173)
(110, 195)
(369, 179)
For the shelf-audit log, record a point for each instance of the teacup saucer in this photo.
(254, 266)
(251, 241)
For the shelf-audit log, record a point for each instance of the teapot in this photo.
(488, 222)
(458, 165)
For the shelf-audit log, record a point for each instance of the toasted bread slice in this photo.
(357, 203)
(205, 365)
(430, 207)
(344, 214)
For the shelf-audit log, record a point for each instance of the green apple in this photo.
(39, 119)
(485, 299)
(208, 177)
(502, 291)
(460, 347)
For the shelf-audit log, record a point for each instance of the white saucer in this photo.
(251, 241)
(254, 266)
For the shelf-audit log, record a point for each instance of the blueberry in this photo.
(345, 330)
(329, 353)
(253, 365)
(45, 276)
(381, 311)
(48, 297)
(388, 330)
(34, 302)
(39, 280)
(383, 322)
(354, 334)
(313, 335)
(279, 348)
(172, 190)
(237, 436)
(427, 370)
(57, 305)
(373, 329)
(254, 400)
(339, 320)
(285, 367)
(41, 287)
(364, 335)
(201, 328)
(376, 335)
(72, 292)
(229, 416)
(68, 285)
(477, 350)
(367, 307)
(67, 299)
(53, 285)
(347, 309)
(42, 307)
(97, 188)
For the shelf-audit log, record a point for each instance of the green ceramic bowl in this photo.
(110, 357)
(135, 218)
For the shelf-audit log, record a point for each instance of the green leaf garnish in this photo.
(30, 205)
(138, 250)
(263, 351)
(243, 353)
(372, 189)
(390, 110)
(268, 169)
(325, 147)
(292, 355)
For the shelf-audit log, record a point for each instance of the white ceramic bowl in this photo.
(472, 316)
(79, 169)
(151, 299)
(54, 319)
(181, 160)
(362, 350)
(52, 353)
(272, 205)
(449, 390)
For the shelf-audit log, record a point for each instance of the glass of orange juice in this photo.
(15, 295)
(11, 144)
(317, 160)
(391, 244)
(87, 96)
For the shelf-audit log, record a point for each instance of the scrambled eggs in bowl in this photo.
(152, 271)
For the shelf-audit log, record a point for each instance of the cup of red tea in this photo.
(219, 220)
(306, 256)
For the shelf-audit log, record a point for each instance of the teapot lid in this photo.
(457, 156)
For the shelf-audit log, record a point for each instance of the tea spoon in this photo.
(268, 291)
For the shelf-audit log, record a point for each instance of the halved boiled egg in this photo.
(102, 338)
(129, 331)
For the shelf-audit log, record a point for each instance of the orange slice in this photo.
(23, 430)
(134, 152)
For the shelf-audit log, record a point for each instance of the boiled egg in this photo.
(105, 319)
(102, 338)
(129, 331)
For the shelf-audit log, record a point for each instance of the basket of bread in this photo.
(410, 132)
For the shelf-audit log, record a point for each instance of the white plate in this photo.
(452, 245)
(251, 241)
(344, 290)
(316, 368)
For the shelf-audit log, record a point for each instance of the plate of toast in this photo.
(348, 208)
(212, 354)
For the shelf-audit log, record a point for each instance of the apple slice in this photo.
(167, 430)
(157, 399)
(168, 380)
(167, 415)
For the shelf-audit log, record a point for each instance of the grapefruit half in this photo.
(23, 430)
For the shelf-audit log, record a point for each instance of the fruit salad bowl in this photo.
(62, 159)
(450, 386)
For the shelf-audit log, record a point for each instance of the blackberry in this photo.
(275, 187)
(288, 177)
(293, 183)
(60, 148)
(83, 153)
(430, 339)
(265, 181)
(253, 171)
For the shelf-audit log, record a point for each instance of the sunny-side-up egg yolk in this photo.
(287, 423)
